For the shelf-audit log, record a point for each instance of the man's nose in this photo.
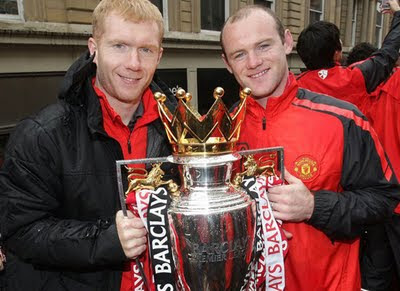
(253, 60)
(134, 60)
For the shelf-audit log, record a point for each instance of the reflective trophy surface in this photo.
(213, 225)
(212, 221)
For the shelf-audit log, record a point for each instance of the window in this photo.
(162, 6)
(269, 3)
(21, 102)
(159, 4)
(316, 10)
(11, 9)
(213, 14)
(378, 29)
(354, 23)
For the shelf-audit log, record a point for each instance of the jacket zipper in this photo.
(129, 142)
(264, 123)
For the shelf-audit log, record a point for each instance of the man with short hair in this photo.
(330, 194)
(320, 48)
(65, 229)
(360, 52)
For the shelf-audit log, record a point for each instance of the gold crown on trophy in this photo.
(192, 134)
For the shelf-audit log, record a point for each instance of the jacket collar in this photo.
(275, 105)
(73, 85)
(146, 112)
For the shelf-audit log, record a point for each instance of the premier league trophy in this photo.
(202, 234)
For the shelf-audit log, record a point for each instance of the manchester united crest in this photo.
(323, 74)
(306, 168)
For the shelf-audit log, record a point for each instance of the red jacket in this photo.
(347, 84)
(358, 84)
(379, 106)
(383, 110)
(329, 146)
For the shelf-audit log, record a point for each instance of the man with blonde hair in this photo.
(64, 226)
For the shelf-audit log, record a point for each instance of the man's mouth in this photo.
(259, 74)
(129, 80)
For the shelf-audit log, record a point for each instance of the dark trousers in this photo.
(377, 263)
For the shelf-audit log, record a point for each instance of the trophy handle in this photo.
(265, 164)
(121, 163)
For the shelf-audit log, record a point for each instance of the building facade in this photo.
(39, 39)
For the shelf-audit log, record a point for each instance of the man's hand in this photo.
(288, 234)
(292, 202)
(394, 6)
(132, 234)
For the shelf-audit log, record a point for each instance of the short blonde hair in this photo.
(131, 10)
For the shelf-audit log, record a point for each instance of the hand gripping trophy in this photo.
(208, 233)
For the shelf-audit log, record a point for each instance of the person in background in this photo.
(360, 52)
(383, 102)
(330, 193)
(65, 229)
(382, 109)
(319, 46)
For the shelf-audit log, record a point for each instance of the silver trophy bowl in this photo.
(211, 222)
(212, 225)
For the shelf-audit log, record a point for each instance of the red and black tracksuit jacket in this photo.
(354, 84)
(358, 84)
(329, 145)
(382, 110)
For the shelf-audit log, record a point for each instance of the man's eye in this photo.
(238, 56)
(146, 50)
(119, 46)
(263, 47)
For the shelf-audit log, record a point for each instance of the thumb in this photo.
(288, 234)
(121, 215)
(290, 178)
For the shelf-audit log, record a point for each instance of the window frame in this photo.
(378, 42)
(165, 15)
(226, 12)
(354, 23)
(322, 14)
(18, 17)
(273, 4)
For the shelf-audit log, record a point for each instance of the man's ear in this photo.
(92, 45)
(228, 67)
(288, 43)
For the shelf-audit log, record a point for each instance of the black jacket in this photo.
(59, 182)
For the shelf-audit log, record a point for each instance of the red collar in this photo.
(275, 105)
(149, 103)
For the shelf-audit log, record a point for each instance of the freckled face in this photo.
(255, 54)
(127, 55)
